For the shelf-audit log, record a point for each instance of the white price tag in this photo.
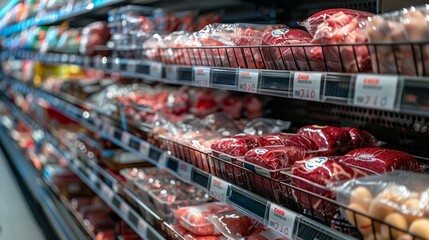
(201, 76)
(248, 80)
(184, 171)
(281, 220)
(171, 73)
(218, 189)
(125, 208)
(377, 91)
(156, 70)
(142, 225)
(131, 66)
(107, 191)
(144, 149)
(125, 139)
(307, 85)
(163, 159)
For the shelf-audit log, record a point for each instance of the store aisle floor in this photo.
(16, 219)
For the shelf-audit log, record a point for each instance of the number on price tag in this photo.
(171, 73)
(156, 70)
(125, 139)
(184, 171)
(144, 149)
(218, 189)
(201, 76)
(307, 85)
(107, 191)
(125, 208)
(131, 66)
(281, 220)
(248, 80)
(376, 91)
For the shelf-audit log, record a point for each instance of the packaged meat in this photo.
(290, 139)
(196, 219)
(262, 126)
(190, 236)
(361, 138)
(265, 233)
(332, 140)
(233, 224)
(316, 175)
(237, 145)
(399, 199)
(96, 33)
(380, 160)
(287, 58)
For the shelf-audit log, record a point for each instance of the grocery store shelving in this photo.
(249, 203)
(57, 213)
(403, 94)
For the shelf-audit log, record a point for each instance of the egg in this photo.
(412, 206)
(361, 221)
(377, 236)
(379, 210)
(361, 196)
(396, 220)
(420, 228)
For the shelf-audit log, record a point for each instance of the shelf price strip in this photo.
(201, 76)
(375, 91)
(219, 189)
(248, 80)
(156, 70)
(281, 220)
(307, 85)
(171, 73)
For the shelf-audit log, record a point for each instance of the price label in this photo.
(107, 191)
(184, 171)
(125, 139)
(142, 225)
(163, 159)
(131, 66)
(281, 220)
(201, 76)
(171, 73)
(125, 208)
(218, 189)
(248, 80)
(144, 149)
(307, 85)
(376, 91)
(156, 70)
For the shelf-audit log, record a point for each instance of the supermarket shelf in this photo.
(403, 94)
(56, 212)
(115, 202)
(249, 203)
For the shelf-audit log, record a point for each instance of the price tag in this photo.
(125, 139)
(307, 85)
(125, 208)
(156, 70)
(201, 76)
(142, 225)
(171, 73)
(144, 149)
(131, 66)
(218, 189)
(376, 91)
(248, 80)
(107, 191)
(281, 220)
(184, 171)
(163, 159)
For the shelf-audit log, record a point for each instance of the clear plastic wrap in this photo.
(290, 139)
(361, 138)
(233, 224)
(380, 160)
(399, 198)
(238, 145)
(96, 33)
(265, 233)
(262, 126)
(333, 140)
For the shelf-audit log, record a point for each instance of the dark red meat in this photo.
(238, 145)
(190, 236)
(361, 138)
(286, 58)
(234, 224)
(314, 175)
(380, 160)
(289, 139)
(335, 140)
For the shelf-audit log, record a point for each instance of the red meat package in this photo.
(265, 233)
(283, 57)
(315, 175)
(333, 140)
(190, 236)
(290, 139)
(238, 145)
(361, 138)
(233, 224)
(196, 218)
(380, 160)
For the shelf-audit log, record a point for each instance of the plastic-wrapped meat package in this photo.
(152, 47)
(331, 140)
(190, 236)
(96, 33)
(252, 107)
(380, 160)
(222, 123)
(290, 139)
(336, 26)
(178, 102)
(233, 224)
(265, 233)
(361, 138)
(316, 175)
(262, 126)
(203, 103)
(232, 105)
(185, 56)
(287, 58)
(196, 219)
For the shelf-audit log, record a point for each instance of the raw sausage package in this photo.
(390, 206)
